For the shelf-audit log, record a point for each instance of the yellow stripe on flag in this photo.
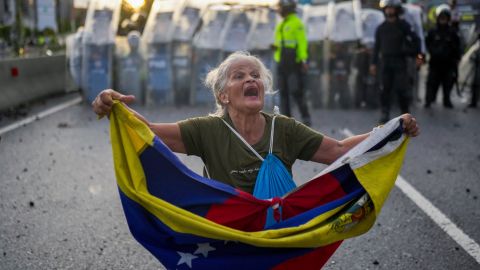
(378, 176)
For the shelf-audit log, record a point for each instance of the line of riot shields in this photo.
(181, 42)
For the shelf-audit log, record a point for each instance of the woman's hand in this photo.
(410, 125)
(102, 105)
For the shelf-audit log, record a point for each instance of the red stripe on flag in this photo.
(312, 260)
(315, 193)
(240, 213)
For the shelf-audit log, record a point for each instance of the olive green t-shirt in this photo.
(230, 161)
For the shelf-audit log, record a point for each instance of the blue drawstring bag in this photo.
(273, 180)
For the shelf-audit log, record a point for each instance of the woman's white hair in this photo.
(217, 78)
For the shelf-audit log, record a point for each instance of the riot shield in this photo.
(259, 40)
(156, 43)
(207, 54)
(129, 66)
(186, 21)
(315, 20)
(98, 46)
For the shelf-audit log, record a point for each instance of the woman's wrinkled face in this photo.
(244, 90)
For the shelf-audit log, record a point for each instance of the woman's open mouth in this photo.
(251, 91)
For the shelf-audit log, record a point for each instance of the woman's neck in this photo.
(250, 126)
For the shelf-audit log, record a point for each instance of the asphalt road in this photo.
(60, 209)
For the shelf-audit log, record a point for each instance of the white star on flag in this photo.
(204, 249)
(186, 258)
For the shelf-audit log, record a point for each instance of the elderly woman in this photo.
(233, 141)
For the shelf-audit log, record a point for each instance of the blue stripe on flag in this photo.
(169, 179)
(177, 250)
(346, 178)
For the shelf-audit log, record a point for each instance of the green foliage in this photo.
(5, 31)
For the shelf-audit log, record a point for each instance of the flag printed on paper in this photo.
(190, 222)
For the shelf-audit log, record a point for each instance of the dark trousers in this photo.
(475, 86)
(474, 99)
(394, 82)
(291, 83)
(444, 76)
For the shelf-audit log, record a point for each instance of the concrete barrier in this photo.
(24, 80)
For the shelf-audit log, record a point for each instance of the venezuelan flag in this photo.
(191, 222)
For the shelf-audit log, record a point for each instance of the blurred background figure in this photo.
(366, 84)
(207, 50)
(291, 53)
(315, 19)
(394, 42)
(130, 67)
(74, 54)
(340, 68)
(98, 44)
(413, 14)
(186, 22)
(264, 26)
(342, 53)
(443, 45)
(157, 47)
(454, 14)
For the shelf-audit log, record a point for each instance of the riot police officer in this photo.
(443, 45)
(291, 53)
(394, 42)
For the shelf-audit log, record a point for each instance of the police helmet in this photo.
(443, 9)
(287, 3)
(397, 4)
(390, 3)
(287, 6)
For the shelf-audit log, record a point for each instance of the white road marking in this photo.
(462, 239)
(40, 115)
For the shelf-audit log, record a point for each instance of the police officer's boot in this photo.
(448, 104)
